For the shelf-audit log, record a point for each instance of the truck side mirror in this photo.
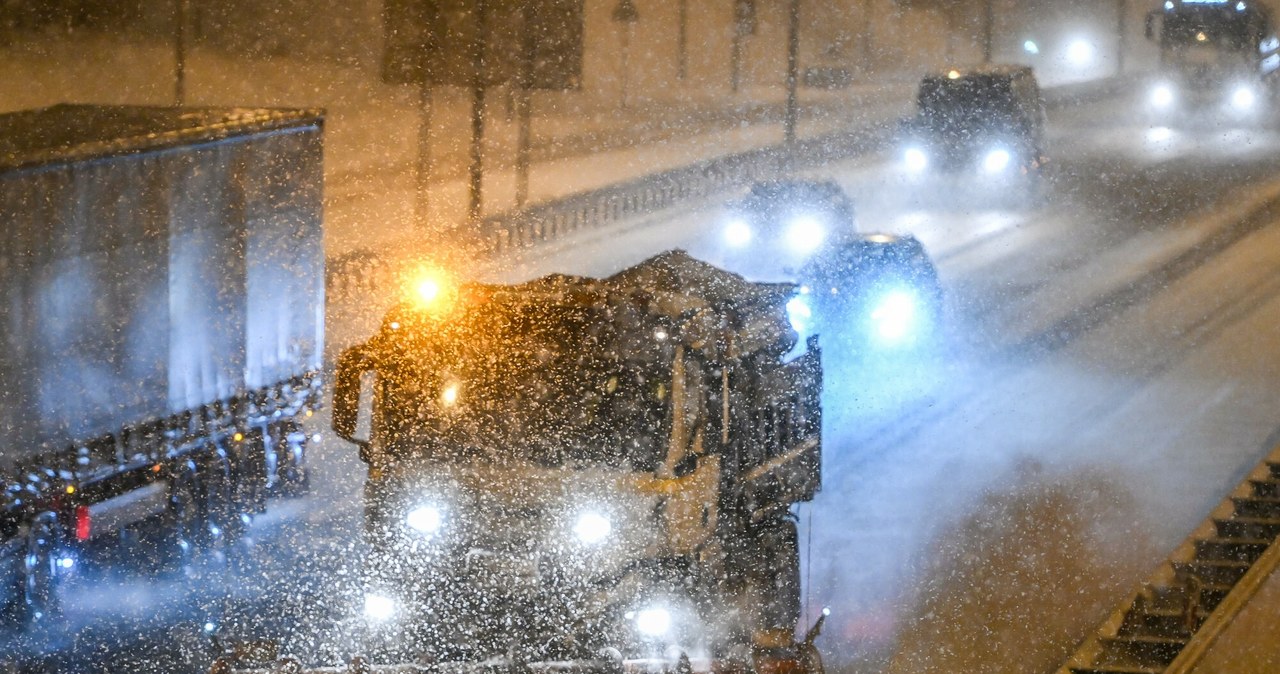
(352, 365)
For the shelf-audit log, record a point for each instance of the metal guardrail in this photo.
(602, 207)
(366, 270)
(1226, 612)
(1165, 576)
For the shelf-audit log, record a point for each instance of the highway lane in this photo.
(1086, 347)
(1089, 361)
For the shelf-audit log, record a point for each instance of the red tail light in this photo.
(84, 527)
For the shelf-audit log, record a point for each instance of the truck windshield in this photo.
(534, 385)
(1218, 26)
(976, 101)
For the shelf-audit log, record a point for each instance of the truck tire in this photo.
(222, 514)
(778, 574)
(252, 471)
(291, 468)
(184, 526)
(37, 597)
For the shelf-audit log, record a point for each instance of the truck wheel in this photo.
(223, 525)
(38, 597)
(778, 575)
(291, 468)
(184, 521)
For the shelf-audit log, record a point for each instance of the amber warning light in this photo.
(428, 289)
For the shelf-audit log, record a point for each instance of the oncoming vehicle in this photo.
(983, 122)
(791, 217)
(878, 292)
(1215, 58)
(574, 464)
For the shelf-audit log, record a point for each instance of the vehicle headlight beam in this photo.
(653, 622)
(1243, 98)
(592, 528)
(916, 160)
(805, 233)
(800, 314)
(894, 315)
(738, 233)
(1080, 52)
(425, 520)
(379, 607)
(996, 160)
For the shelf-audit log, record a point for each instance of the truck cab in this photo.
(571, 464)
(1216, 59)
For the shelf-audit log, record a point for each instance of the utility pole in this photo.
(180, 8)
(524, 113)
(744, 24)
(682, 42)
(1122, 37)
(626, 16)
(422, 182)
(735, 62)
(988, 27)
(475, 202)
(868, 30)
(793, 70)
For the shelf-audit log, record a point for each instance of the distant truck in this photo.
(572, 467)
(161, 330)
(1218, 58)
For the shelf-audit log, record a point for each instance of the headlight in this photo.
(425, 520)
(996, 160)
(1243, 98)
(592, 528)
(915, 159)
(894, 315)
(1159, 134)
(805, 233)
(1080, 52)
(737, 233)
(654, 621)
(379, 607)
(799, 314)
(1162, 95)
(450, 394)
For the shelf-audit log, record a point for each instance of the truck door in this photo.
(353, 364)
(786, 434)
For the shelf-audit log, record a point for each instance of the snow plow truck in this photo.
(581, 474)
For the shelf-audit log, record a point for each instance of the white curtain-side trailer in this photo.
(161, 330)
